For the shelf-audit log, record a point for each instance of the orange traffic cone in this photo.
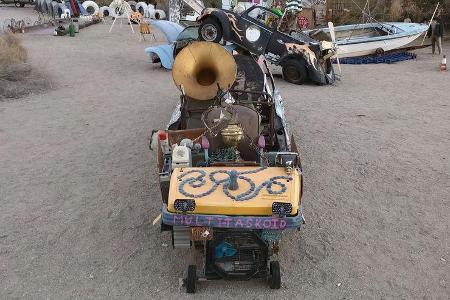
(444, 64)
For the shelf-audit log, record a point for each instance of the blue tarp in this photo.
(379, 59)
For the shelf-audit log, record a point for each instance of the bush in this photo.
(11, 50)
(101, 3)
(17, 78)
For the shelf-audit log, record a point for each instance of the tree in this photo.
(423, 9)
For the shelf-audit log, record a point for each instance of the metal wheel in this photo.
(210, 30)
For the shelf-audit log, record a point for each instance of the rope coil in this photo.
(199, 181)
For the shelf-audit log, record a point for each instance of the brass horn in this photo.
(201, 68)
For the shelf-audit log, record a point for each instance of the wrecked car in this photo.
(256, 30)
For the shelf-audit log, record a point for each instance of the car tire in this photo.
(191, 279)
(275, 275)
(294, 71)
(210, 30)
(132, 5)
(379, 51)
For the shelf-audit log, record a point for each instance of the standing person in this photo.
(435, 32)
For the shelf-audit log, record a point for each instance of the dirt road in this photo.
(78, 191)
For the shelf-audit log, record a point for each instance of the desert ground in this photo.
(79, 192)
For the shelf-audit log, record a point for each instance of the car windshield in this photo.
(264, 17)
(189, 33)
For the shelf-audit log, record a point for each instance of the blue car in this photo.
(178, 38)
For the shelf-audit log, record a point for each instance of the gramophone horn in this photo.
(201, 68)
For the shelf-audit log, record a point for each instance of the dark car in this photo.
(256, 30)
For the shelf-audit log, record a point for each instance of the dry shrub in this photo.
(11, 50)
(101, 3)
(396, 10)
(17, 78)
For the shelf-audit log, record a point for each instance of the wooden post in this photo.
(425, 35)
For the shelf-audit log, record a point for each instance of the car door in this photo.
(256, 25)
(276, 47)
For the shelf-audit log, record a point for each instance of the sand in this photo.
(78, 189)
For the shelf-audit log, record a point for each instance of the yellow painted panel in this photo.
(219, 203)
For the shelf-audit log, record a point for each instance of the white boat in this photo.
(370, 38)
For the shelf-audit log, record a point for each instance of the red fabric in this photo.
(74, 8)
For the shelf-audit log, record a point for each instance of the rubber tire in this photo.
(191, 279)
(60, 9)
(142, 8)
(92, 4)
(49, 7)
(132, 5)
(294, 71)
(55, 10)
(379, 51)
(275, 275)
(211, 21)
(108, 10)
(159, 14)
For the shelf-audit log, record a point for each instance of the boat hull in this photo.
(369, 38)
(371, 47)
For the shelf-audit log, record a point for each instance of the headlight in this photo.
(281, 209)
(184, 205)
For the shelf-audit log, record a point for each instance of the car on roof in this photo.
(257, 30)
